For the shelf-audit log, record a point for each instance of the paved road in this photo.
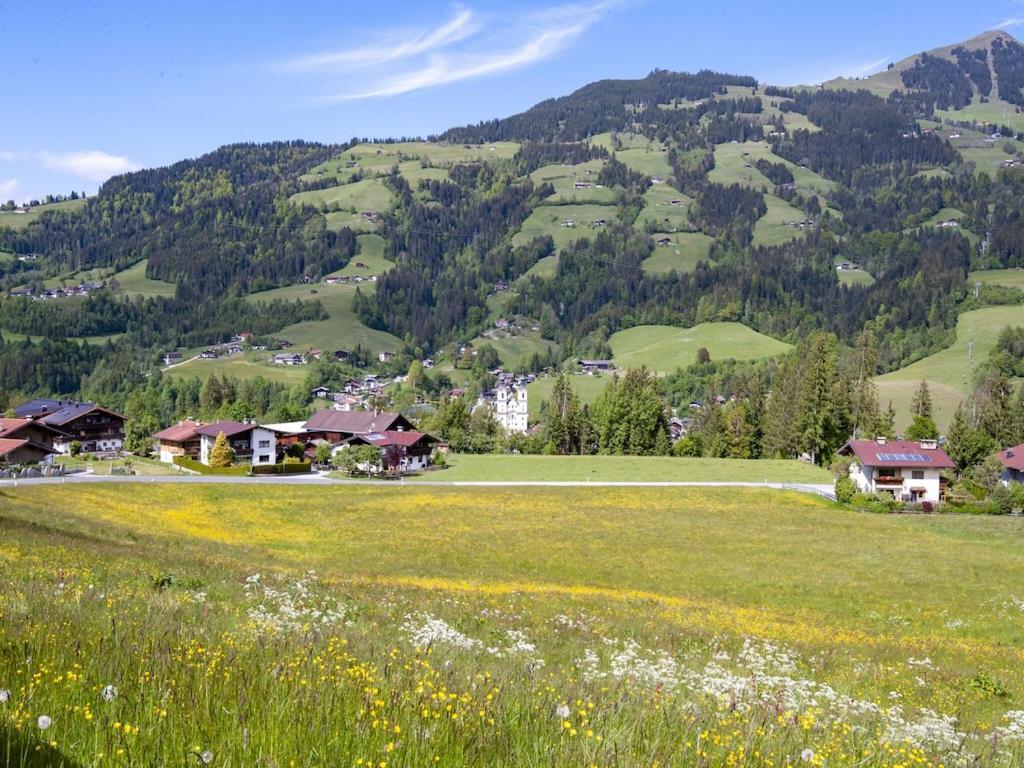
(321, 479)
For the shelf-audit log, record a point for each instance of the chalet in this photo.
(1012, 460)
(209, 354)
(179, 439)
(338, 426)
(908, 470)
(27, 441)
(427, 362)
(346, 403)
(664, 242)
(96, 428)
(600, 222)
(582, 185)
(385, 356)
(170, 358)
(252, 444)
(335, 279)
(341, 355)
(401, 451)
(288, 358)
(569, 223)
(322, 392)
(501, 285)
(501, 324)
(592, 366)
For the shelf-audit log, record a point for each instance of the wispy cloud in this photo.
(464, 47)
(1012, 21)
(7, 189)
(6, 155)
(93, 165)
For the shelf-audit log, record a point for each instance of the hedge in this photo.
(195, 466)
(291, 468)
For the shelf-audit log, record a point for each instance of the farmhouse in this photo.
(400, 450)
(179, 439)
(94, 427)
(664, 242)
(27, 441)
(170, 358)
(592, 366)
(288, 358)
(907, 469)
(338, 426)
(251, 443)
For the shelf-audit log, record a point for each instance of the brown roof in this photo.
(180, 432)
(393, 437)
(897, 453)
(356, 422)
(229, 428)
(10, 427)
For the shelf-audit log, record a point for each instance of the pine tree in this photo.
(222, 455)
(921, 405)
(863, 392)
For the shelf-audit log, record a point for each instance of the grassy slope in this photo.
(247, 366)
(371, 254)
(134, 282)
(547, 220)
(663, 348)
(773, 228)
(20, 220)
(659, 211)
(949, 373)
(587, 388)
(564, 178)
(731, 161)
(1013, 278)
(467, 468)
(668, 568)
(687, 249)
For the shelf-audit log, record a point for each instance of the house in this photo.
(501, 324)
(664, 242)
(907, 469)
(170, 358)
(1012, 460)
(341, 355)
(592, 366)
(322, 392)
(288, 358)
(346, 402)
(338, 426)
(251, 443)
(27, 441)
(427, 362)
(385, 356)
(96, 428)
(179, 439)
(400, 450)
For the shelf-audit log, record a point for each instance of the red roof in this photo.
(897, 453)
(180, 432)
(9, 445)
(1013, 458)
(10, 427)
(392, 437)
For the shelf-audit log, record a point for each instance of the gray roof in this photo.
(356, 422)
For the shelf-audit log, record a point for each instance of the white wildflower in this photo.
(206, 756)
(424, 630)
(5, 695)
(562, 710)
(109, 693)
(807, 755)
(43, 722)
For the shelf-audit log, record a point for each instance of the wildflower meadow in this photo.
(248, 626)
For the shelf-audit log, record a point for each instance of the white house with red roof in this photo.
(908, 469)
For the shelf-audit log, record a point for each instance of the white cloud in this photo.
(393, 47)
(6, 156)
(462, 48)
(7, 189)
(94, 165)
(1013, 21)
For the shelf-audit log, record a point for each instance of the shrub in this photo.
(222, 454)
(846, 489)
(75, 447)
(1001, 500)
(875, 502)
(195, 466)
(286, 468)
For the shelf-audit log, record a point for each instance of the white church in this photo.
(508, 403)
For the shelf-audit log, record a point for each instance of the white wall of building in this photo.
(866, 479)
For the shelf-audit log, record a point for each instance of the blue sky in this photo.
(95, 88)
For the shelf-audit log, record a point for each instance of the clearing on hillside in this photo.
(663, 348)
(19, 220)
(564, 223)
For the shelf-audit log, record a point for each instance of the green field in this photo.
(587, 388)
(371, 256)
(1012, 278)
(342, 330)
(949, 373)
(663, 348)
(21, 220)
(357, 197)
(651, 162)
(854, 277)
(134, 282)
(161, 624)
(244, 367)
(774, 227)
(687, 249)
(659, 211)
(626, 140)
(734, 164)
(996, 112)
(655, 469)
(515, 350)
(564, 178)
(548, 220)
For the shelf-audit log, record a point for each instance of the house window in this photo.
(917, 474)
(263, 458)
(264, 443)
(887, 473)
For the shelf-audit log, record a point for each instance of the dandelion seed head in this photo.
(206, 756)
(807, 755)
(43, 722)
(109, 693)
(5, 695)
(562, 710)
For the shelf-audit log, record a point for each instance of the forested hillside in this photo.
(676, 199)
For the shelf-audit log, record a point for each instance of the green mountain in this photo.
(676, 200)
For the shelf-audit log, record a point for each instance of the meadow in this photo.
(664, 348)
(587, 389)
(949, 373)
(686, 250)
(16, 220)
(133, 281)
(356, 626)
(548, 220)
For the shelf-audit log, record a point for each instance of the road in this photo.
(321, 479)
